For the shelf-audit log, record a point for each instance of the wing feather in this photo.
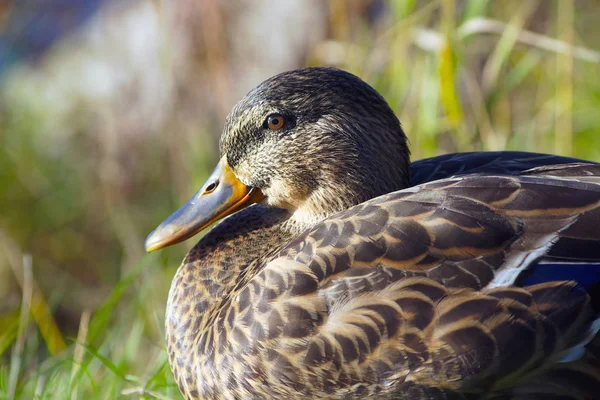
(412, 292)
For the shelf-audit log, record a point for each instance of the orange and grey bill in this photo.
(221, 195)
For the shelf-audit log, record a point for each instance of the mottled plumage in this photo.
(354, 289)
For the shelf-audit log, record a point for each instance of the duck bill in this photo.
(221, 195)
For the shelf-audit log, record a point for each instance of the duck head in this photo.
(313, 141)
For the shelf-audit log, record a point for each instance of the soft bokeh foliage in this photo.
(110, 113)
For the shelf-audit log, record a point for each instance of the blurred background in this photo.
(110, 114)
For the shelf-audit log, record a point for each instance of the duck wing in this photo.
(482, 162)
(468, 231)
(413, 292)
(558, 264)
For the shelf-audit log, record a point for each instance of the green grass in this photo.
(461, 75)
(116, 354)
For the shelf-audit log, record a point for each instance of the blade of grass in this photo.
(102, 315)
(39, 386)
(507, 41)
(83, 369)
(521, 70)
(140, 391)
(479, 26)
(485, 127)
(79, 351)
(17, 353)
(447, 72)
(39, 307)
(563, 138)
(448, 91)
(428, 121)
(107, 363)
(474, 9)
(403, 8)
(9, 327)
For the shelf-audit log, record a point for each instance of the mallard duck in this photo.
(344, 271)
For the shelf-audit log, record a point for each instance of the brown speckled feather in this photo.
(347, 283)
(404, 296)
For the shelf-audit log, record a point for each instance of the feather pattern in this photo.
(411, 293)
(477, 278)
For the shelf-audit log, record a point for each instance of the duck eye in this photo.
(275, 122)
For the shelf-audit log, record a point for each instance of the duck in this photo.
(341, 270)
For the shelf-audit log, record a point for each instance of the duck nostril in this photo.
(211, 187)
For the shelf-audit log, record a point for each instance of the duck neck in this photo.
(219, 261)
